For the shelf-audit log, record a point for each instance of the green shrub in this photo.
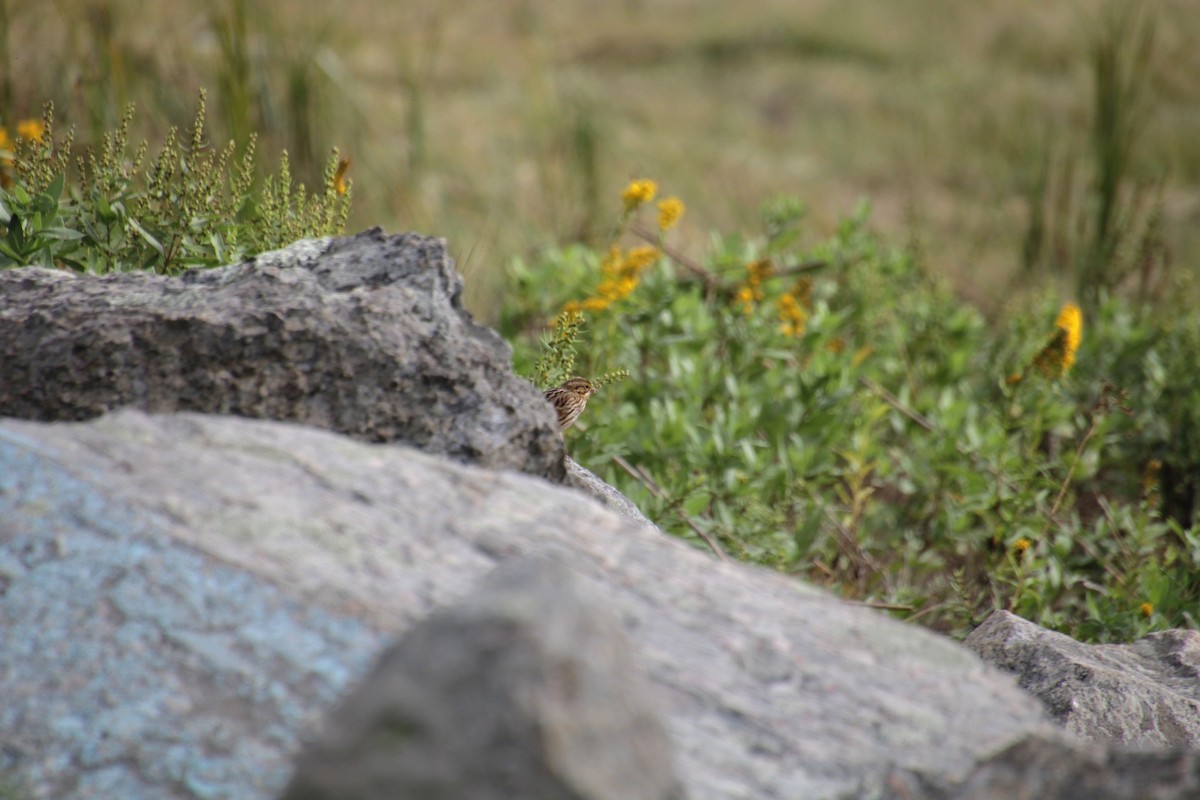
(828, 410)
(191, 206)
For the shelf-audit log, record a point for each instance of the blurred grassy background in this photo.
(510, 125)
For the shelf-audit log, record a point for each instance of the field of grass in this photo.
(504, 124)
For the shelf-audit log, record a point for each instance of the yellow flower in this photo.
(339, 177)
(595, 304)
(1070, 320)
(670, 209)
(639, 258)
(33, 129)
(1147, 609)
(758, 271)
(746, 298)
(5, 142)
(1021, 545)
(572, 307)
(638, 192)
(793, 315)
(1014, 379)
(1058, 355)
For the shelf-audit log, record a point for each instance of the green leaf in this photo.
(55, 189)
(147, 237)
(65, 234)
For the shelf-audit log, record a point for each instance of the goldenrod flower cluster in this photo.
(670, 209)
(638, 193)
(1058, 355)
(619, 276)
(1070, 321)
(793, 308)
(339, 178)
(31, 129)
(751, 291)
(621, 270)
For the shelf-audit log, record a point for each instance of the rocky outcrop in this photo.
(184, 596)
(526, 688)
(364, 335)
(1145, 694)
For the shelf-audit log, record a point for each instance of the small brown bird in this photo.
(569, 400)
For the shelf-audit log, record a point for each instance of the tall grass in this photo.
(1092, 214)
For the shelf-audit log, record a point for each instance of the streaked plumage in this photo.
(569, 400)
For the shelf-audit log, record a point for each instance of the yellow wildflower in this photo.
(595, 304)
(33, 129)
(1058, 355)
(793, 315)
(638, 192)
(1013, 379)
(572, 307)
(639, 258)
(745, 297)
(1021, 545)
(5, 142)
(670, 209)
(1070, 320)
(1147, 609)
(339, 177)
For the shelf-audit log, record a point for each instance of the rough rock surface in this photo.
(1145, 694)
(1055, 769)
(582, 478)
(364, 335)
(182, 597)
(526, 688)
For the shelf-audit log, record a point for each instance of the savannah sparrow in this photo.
(569, 399)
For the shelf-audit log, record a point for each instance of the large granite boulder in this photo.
(1144, 694)
(184, 596)
(364, 335)
(527, 688)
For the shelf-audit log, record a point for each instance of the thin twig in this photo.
(642, 477)
(710, 279)
(880, 606)
(896, 403)
(1062, 492)
(711, 282)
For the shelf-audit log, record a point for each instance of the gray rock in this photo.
(583, 479)
(364, 335)
(184, 596)
(1056, 769)
(524, 689)
(1145, 694)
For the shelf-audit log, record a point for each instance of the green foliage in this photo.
(191, 206)
(828, 410)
